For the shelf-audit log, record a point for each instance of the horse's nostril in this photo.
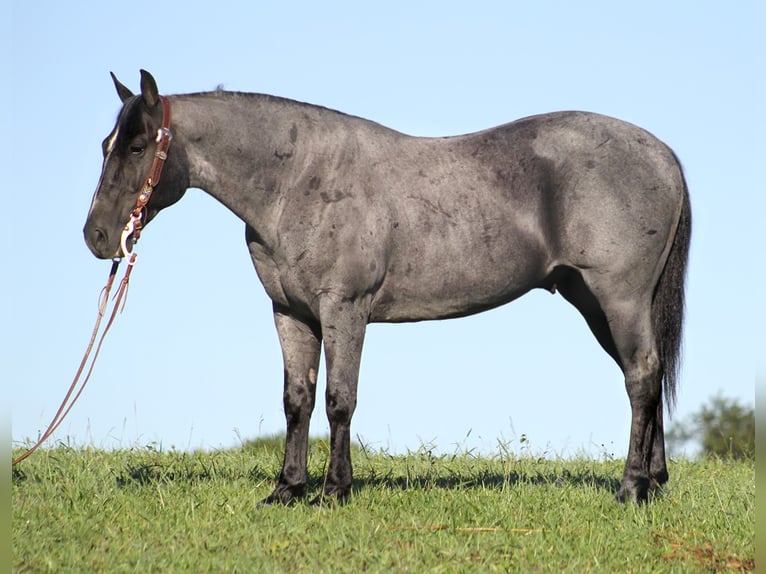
(97, 239)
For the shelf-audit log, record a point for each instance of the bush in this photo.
(723, 428)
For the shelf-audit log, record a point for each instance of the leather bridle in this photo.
(132, 230)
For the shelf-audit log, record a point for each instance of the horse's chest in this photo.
(287, 282)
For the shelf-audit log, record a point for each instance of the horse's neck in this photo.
(237, 149)
(247, 151)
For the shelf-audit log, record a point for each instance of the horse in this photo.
(349, 222)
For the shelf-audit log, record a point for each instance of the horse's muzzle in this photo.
(98, 241)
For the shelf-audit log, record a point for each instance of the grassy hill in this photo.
(145, 510)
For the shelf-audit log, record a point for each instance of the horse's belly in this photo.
(422, 290)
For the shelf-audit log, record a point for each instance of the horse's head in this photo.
(128, 157)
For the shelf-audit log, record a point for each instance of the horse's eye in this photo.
(137, 148)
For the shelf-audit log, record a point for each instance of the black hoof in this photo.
(283, 495)
(636, 491)
(333, 498)
(658, 479)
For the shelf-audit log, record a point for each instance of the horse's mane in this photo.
(220, 92)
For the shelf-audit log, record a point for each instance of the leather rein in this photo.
(130, 233)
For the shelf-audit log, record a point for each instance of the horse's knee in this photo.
(299, 397)
(340, 406)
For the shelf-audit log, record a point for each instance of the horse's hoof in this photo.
(332, 499)
(637, 493)
(283, 495)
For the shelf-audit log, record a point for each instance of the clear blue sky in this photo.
(194, 361)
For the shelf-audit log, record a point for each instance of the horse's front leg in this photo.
(301, 343)
(343, 328)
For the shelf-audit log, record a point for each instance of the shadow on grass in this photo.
(416, 471)
(180, 472)
(490, 480)
(148, 474)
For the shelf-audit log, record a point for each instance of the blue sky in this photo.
(194, 360)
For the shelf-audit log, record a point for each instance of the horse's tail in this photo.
(668, 302)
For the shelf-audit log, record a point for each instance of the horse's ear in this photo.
(122, 91)
(149, 89)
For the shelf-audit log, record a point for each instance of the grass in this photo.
(147, 510)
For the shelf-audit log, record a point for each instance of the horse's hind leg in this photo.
(624, 329)
(658, 469)
(644, 386)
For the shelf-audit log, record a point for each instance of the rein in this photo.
(130, 233)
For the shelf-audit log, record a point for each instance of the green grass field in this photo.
(143, 510)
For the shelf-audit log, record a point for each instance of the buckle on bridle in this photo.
(164, 133)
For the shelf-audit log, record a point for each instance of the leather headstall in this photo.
(135, 224)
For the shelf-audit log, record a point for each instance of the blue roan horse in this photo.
(349, 222)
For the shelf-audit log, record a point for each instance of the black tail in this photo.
(668, 303)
